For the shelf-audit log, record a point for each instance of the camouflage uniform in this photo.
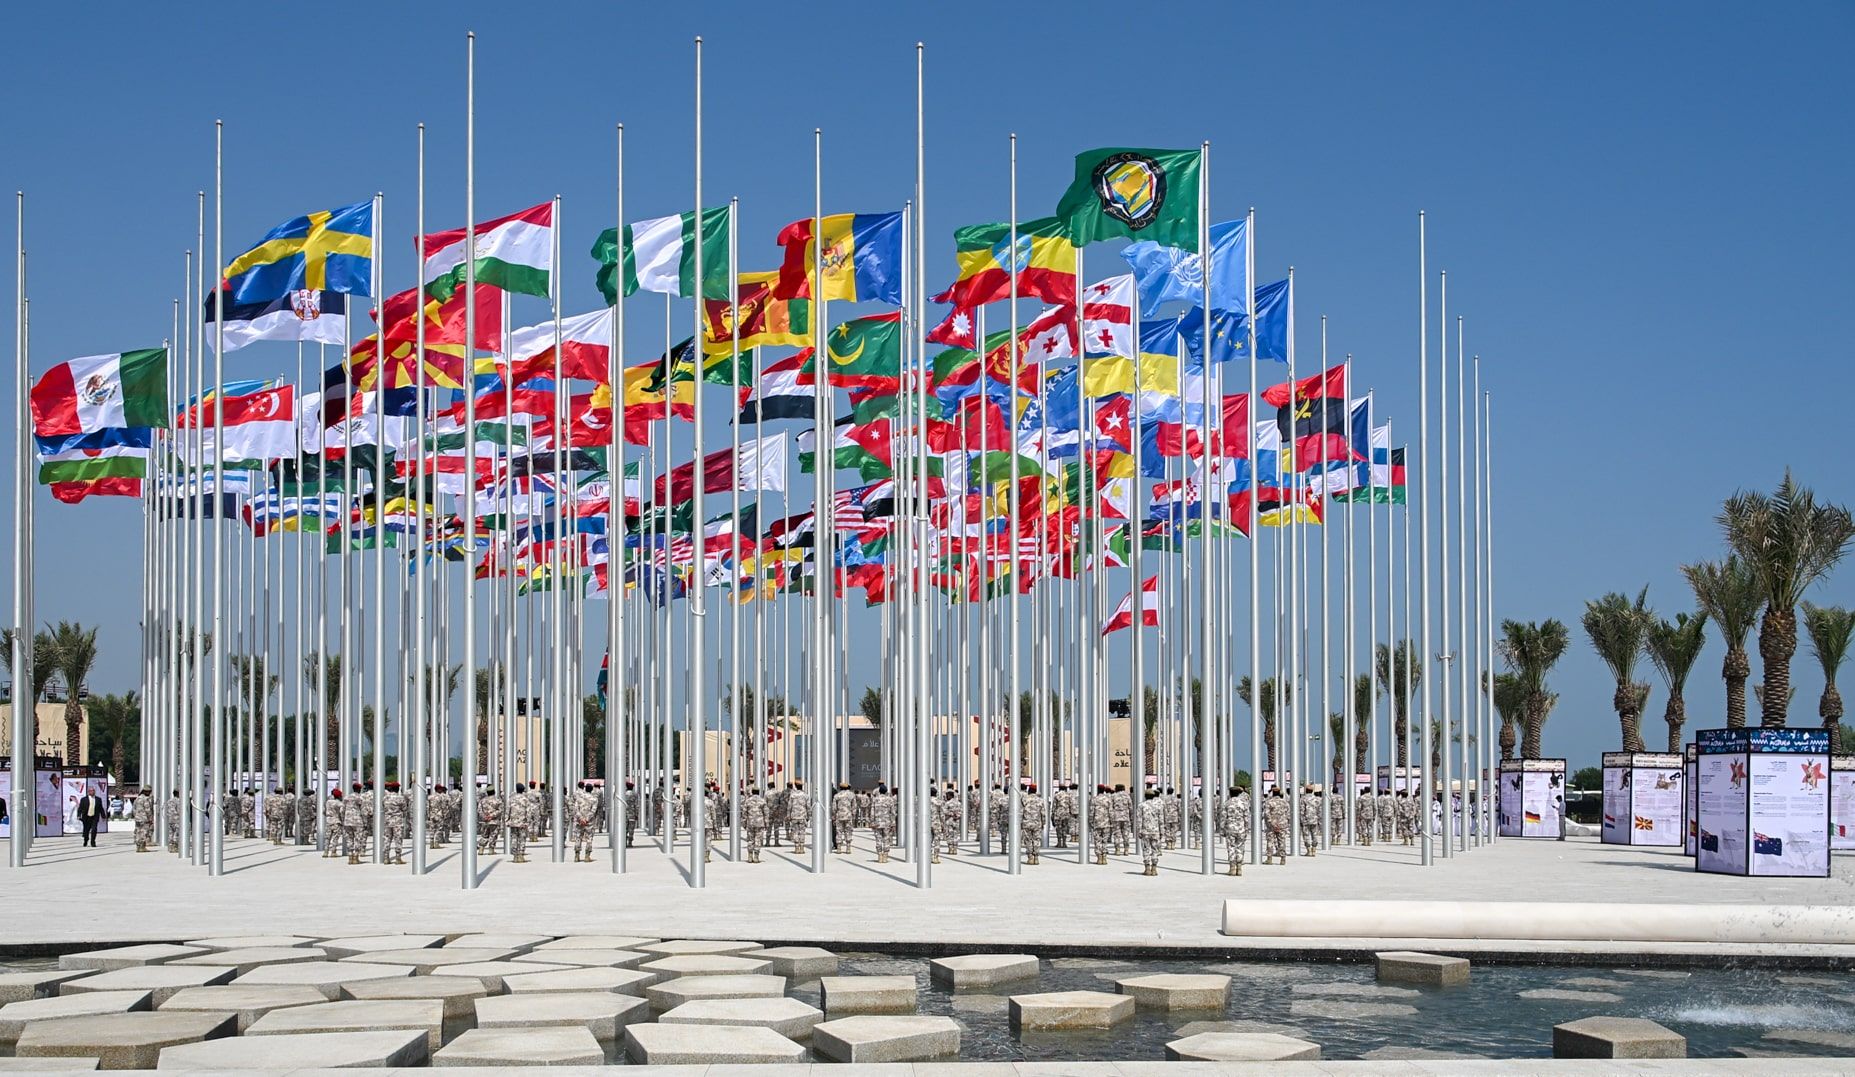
(1407, 819)
(1275, 828)
(941, 826)
(353, 827)
(1385, 812)
(882, 822)
(972, 810)
(1032, 818)
(1233, 825)
(305, 807)
(171, 817)
(711, 821)
(756, 822)
(843, 805)
(144, 814)
(1101, 824)
(521, 824)
(1121, 820)
(1152, 833)
(489, 822)
(1364, 821)
(1062, 819)
(1311, 803)
(631, 813)
(1336, 817)
(1174, 817)
(798, 816)
(582, 813)
(331, 819)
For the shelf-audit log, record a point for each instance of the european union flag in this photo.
(330, 250)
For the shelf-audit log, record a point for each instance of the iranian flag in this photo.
(585, 348)
(513, 253)
(102, 392)
(1149, 612)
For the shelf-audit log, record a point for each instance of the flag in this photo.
(303, 314)
(760, 466)
(1133, 194)
(101, 392)
(861, 260)
(1329, 383)
(865, 353)
(585, 348)
(327, 251)
(102, 461)
(258, 426)
(785, 392)
(846, 453)
(1044, 257)
(763, 318)
(1149, 609)
(514, 253)
(1112, 422)
(1165, 273)
(1317, 429)
(660, 256)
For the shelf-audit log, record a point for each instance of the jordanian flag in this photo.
(102, 392)
(513, 253)
(660, 256)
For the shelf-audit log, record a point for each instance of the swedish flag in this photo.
(328, 251)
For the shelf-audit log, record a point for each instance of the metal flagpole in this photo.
(1348, 629)
(1015, 770)
(559, 715)
(1424, 789)
(1450, 657)
(421, 549)
(736, 780)
(617, 714)
(822, 460)
(698, 585)
(468, 858)
(1484, 654)
(1487, 510)
(1471, 732)
(220, 575)
(24, 775)
(379, 641)
(1323, 727)
(1210, 422)
(1256, 750)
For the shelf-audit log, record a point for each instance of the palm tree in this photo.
(43, 666)
(1400, 675)
(1531, 649)
(1674, 646)
(1268, 712)
(871, 705)
(592, 723)
(1510, 703)
(1617, 628)
(323, 675)
(1362, 716)
(74, 653)
(116, 725)
(1729, 593)
(1830, 629)
(1790, 542)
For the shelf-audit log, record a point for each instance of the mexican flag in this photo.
(514, 253)
(660, 256)
(102, 392)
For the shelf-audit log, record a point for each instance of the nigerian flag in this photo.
(660, 256)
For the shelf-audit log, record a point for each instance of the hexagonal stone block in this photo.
(1241, 1047)
(867, 994)
(708, 1045)
(589, 979)
(47, 1065)
(796, 962)
(494, 973)
(428, 960)
(245, 1001)
(384, 1049)
(246, 942)
(562, 1045)
(1616, 1037)
(981, 970)
(498, 941)
(121, 1041)
(1053, 1010)
(458, 993)
(603, 1013)
(1334, 1009)
(703, 965)
(687, 947)
(1423, 970)
(163, 980)
(364, 1015)
(15, 1016)
(327, 977)
(597, 942)
(37, 983)
(873, 1038)
(787, 1016)
(673, 993)
(124, 957)
(1177, 991)
(351, 945)
(588, 959)
(250, 957)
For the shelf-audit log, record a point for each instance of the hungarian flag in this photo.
(865, 353)
(659, 255)
(102, 392)
(861, 258)
(786, 392)
(513, 253)
(1044, 258)
(1133, 194)
(585, 348)
(763, 317)
(1149, 612)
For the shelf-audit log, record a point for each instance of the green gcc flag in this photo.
(1134, 194)
(660, 256)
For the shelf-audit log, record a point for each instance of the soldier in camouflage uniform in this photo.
(973, 819)
(1311, 805)
(1062, 823)
(1336, 816)
(395, 817)
(331, 821)
(171, 817)
(1101, 825)
(1275, 826)
(521, 823)
(144, 813)
(843, 808)
(798, 815)
(489, 821)
(1152, 831)
(756, 821)
(631, 812)
(950, 819)
(1174, 816)
(710, 807)
(353, 824)
(1364, 817)
(1233, 825)
(882, 822)
(582, 812)
(1385, 814)
(1033, 816)
(305, 809)
(1121, 819)
(1406, 818)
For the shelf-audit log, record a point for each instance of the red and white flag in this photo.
(1124, 613)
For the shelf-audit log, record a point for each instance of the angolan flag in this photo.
(514, 253)
(102, 392)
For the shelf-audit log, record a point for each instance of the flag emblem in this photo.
(1812, 775)
(97, 390)
(1131, 188)
(306, 304)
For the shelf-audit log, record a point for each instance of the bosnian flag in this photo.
(1149, 612)
(258, 426)
(305, 314)
(585, 348)
(513, 253)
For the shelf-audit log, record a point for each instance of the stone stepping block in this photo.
(1334, 1009)
(588, 959)
(1193, 1028)
(1054, 1010)
(980, 1004)
(459, 994)
(708, 1045)
(981, 970)
(867, 994)
(674, 993)
(383, 1049)
(47, 1065)
(352, 945)
(1616, 1037)
(1557, 994)
(1422, 970)
(15, 1016)
(427, 961)
(570, 979)
(246, 942)
(603, 1013)
(248, 1003)
(1241, 1047)
(39, 983)
(121, 1041)
(557, 1046)
(797, 962)
(163, 980)
(705, 965)
(1348, 989)
(363, 1015)
(1176, 991)
(497, 941)
(251, 957)
(597, 942)
(328, 977)
(1600, 983)
(1393, 1053)
(494, 973)
(875, 1038)
(690, 947)
(1843, 1042)
(787, 1016)
(127, 957)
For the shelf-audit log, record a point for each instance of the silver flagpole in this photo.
(926, 745)
(421, 709)
(379, 641)
(1425, 789)
(1322, 724)
(698, 588)
(823, 458)
(1487, 508)
(1464, 656)
(617, 714)
(1449, 656)
(196, 779)
(468, 859)
(560, 715)
(1211, 422)
(1484, 655)
(23, 617)
(1348, 628)
(217, 867)
(1256, 749)
(1015, 770)
(736, 787)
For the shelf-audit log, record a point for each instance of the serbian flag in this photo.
(1149, 612)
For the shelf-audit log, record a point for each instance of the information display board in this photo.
(1391, 779)
(1643, 798)
(73, 784)
(1842, 802)
(1764, 804)
(1532, 799)
(1690, 791)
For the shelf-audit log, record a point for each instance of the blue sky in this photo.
(1644, 208)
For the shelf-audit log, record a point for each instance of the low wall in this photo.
(1542, 921)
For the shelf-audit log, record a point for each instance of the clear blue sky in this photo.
(1644, 208)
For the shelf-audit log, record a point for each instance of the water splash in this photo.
(1772, 1015)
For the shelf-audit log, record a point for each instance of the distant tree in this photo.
(1830, 628)
(1674, 647)
(1729, 593)
(1618, 628)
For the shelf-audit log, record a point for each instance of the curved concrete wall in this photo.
(1584, 921)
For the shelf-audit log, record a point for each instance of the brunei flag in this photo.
(859, 258)
(1043, 256)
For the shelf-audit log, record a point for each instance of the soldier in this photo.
(711, 820)
(582, 814)
(1152, 831)
(521, 822)
(1233, 824)
(1310, 819)
(367, 816)
(1101, 823)
(756, 820)
(1385, 813)
(1336, 817)
(973, 819)
(395, 817)
(843, 807)
(331, 822)
(952, 827)
(353, 823)
(1000, 821)
(798, 815)
(1174, 817)
(1120, 818)
(170, 813)
(144, 814)
(882, 821)
(489, 821)
(1032, 817)
(1407, 818)
(543, 816)
(436, 806)
(1364, 816)
(631, 812)
(303, 806)
(1061, 800)
(775, 817)
(1275, 826)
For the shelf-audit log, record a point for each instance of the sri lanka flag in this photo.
(861, 258)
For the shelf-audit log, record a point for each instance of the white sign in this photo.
(1789, 806)
(1842, 808)
(1721, 815)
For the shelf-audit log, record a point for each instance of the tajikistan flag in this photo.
(514, 253)
(102, 392)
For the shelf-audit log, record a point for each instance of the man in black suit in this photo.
(90, 813)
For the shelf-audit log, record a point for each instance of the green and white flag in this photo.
(660, 256)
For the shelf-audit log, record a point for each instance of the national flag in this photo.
(1386, 482)
(1114, 421)
(761, 465)
(861, 260)
(585, 348)
(1044, 258)
(1123, 616)
(100, 460)
(1165, 273)
(763, 317)
(786, 392)
(957, 329)
(303, 314)
(1317, 429)
(258, 426)
(1329, 383)
(444, 321)
(846, 453)
(326, 251)
(865, 353)
(513, 253)
(660, 256)
(1134, 194)
(102, 392)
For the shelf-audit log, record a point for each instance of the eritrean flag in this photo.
(1044, 257)
(861, 258)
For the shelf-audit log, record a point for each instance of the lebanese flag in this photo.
(1149, 612)
(585, 348)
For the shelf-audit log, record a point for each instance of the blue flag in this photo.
(330, 250)
(1164, 273)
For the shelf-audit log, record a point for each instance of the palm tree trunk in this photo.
(1508, 736)
(1628, 702)
(1535, 723)
(1676, 715)
(1404, 748)
(73, 731)
(1736, 670)
(1830, 710)
(117, 757)
(1777, 642)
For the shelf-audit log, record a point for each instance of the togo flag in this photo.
(660, 256)
(100, 392)
(514, 253)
